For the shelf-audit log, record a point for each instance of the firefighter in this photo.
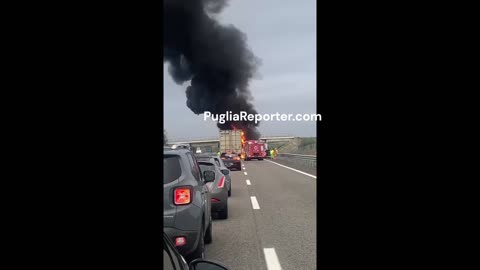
(276, 152)
(272, 154)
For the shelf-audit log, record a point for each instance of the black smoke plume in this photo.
(215, 59)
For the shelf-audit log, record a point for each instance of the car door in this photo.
(202, 188)
(222, 166)
(172, 171)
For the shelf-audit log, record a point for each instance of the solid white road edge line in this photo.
(248, 182)
(272, 259)
(313, 176)
(254, 202)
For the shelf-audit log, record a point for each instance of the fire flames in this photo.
(242, 136)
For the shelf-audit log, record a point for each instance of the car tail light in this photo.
(221, 182)
(215, 200)
(180, 241)
(236, 158)
(182, 195)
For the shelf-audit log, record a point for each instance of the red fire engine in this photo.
(254, 149)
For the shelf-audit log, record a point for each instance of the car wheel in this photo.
(260, 159)
(223, 214)
(199, 252)
(209, 234)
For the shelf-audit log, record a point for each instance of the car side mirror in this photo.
(209, 176)
(202, 264)
(226, 172)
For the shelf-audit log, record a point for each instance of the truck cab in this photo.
(254, 149)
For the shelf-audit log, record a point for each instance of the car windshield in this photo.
(171, 168)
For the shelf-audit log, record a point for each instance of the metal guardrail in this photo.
(308, 160)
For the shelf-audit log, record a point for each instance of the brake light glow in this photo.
(180, 241)
(182, 196)
(215, 200)
(221, 182)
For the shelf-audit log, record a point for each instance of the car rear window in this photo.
(226, 156)
(205, 159)
(171, 168)
(206, 166)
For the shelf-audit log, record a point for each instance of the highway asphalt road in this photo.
(271, 223)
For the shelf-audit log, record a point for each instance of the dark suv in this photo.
(186, 202)
(232, 160)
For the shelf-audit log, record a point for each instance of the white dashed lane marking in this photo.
(272, 259)
(254, 202)
(248, 182)
(245, 173)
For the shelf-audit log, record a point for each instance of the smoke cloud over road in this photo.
(213, 58)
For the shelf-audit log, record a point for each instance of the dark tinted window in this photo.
(171, 168)
(193, 163)
(205, 166)
(218, 162)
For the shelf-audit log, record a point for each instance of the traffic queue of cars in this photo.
(194, 188)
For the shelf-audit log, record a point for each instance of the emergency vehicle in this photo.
(254, 149)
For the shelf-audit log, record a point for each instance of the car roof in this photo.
(175, 151)
(204, 157)
(205, 154)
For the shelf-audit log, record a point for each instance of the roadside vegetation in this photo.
(301, 146)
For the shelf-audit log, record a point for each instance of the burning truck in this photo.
(233, 142)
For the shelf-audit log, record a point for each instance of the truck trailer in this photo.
(231, 141)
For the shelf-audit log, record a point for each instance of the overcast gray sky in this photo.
(282, 33)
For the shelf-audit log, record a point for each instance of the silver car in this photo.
(211, 157)
(218, 189)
